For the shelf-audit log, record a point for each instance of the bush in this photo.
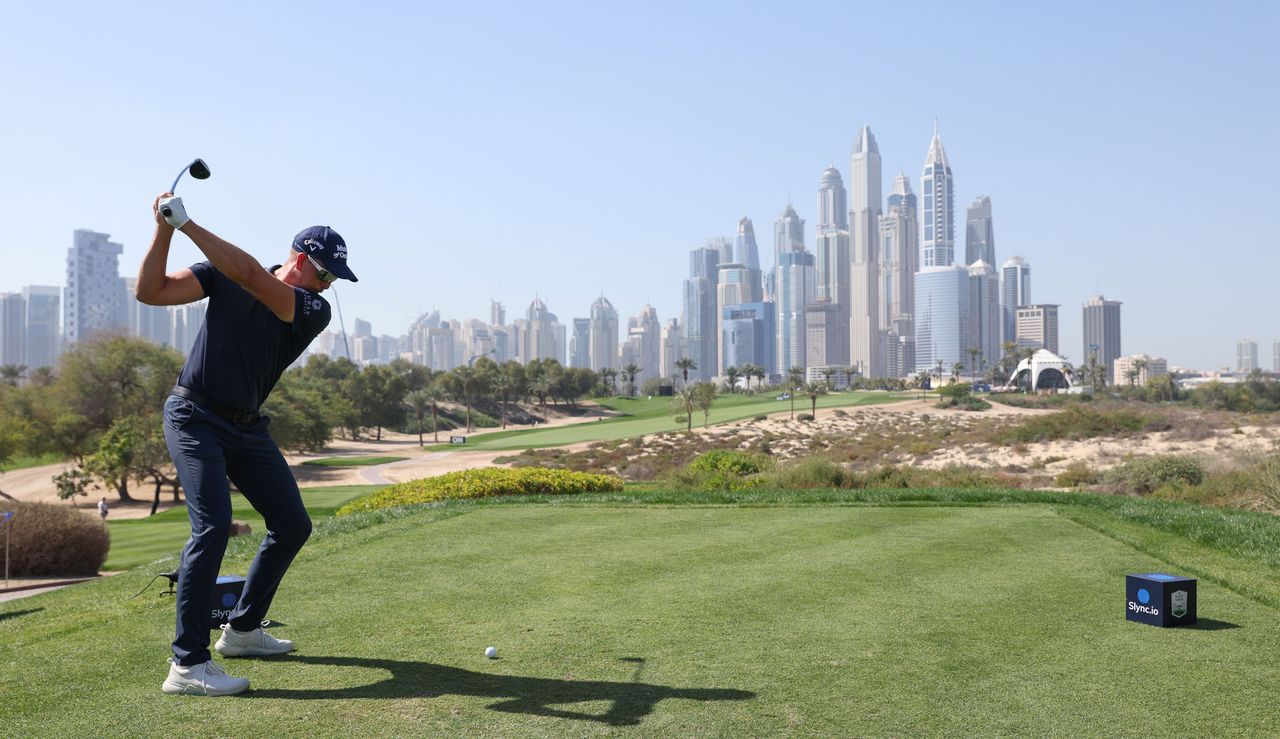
(805, 417)
(760, 418)
(1077, 422)
(1077, 474)
(1145, 474)
(483, 483)
(805, 474)
(54, 540)
(722, 469)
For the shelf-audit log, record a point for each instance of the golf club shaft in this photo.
(181, 172)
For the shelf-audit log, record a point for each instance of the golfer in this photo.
(257, 323)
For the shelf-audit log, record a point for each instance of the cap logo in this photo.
(313, 244)
(340, 251)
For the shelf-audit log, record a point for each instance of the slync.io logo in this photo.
(229, 599)
(1145, 597)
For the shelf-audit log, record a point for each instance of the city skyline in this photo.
(480, 167)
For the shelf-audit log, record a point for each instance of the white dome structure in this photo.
(1043, 370)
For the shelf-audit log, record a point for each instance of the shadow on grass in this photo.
(631, 701)
(16, 614)
(1209, 624)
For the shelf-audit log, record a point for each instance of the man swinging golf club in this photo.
(257, 323)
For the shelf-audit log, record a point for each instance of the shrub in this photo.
(760, 418)
(1145, 474)
(805, 417)
(483, 483)
(805, 474)
(840, 413)
(54, 540)
(722, 469)
(1077, 474)
(1076, 422)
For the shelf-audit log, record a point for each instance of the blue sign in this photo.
(1160, 599)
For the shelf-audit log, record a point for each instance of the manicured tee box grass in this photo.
(352, 461)
(649, 416)
(141, 541)
(674, 620)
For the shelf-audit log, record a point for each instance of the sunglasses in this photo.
(324, 274)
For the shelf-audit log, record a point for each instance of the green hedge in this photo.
(484, 483)
(54, 540)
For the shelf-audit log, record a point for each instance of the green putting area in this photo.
(675, 615)
(139, 541)
(642, 416)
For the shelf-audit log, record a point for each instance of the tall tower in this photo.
(831, 268)
(700, 318)
(746, 253)
(43, 339)
(788, 236)
(979, 233)
(938, 247)
(1102, 331)
(604, 335)
(1015, 292)
(865, 332)
(984, 326)
(900, 260)
(94, 297)
(796, 287)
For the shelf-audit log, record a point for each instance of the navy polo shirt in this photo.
(243, 348)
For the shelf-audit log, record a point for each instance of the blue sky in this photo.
(470, 151)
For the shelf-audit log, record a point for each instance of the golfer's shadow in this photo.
(630, 701)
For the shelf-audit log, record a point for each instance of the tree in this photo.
(435, 394)
(684, 364)
(938, 374)
(1138, 365)
(502, 385)
(629, 374)
(813, 390)
(704, 394)
(682, 405)
(827, 374)
(607, 377)
(957, 369)
(795, 379)
(11, 373)
(731, 375)
(973, 362)
(420, 402)
(759, 373)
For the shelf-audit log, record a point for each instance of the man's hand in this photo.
(171, 210)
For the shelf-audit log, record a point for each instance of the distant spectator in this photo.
(102, 509)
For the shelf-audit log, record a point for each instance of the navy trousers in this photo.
(207, 450)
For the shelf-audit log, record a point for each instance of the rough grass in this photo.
(666, 613)
(352, 461)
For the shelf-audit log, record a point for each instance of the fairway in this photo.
(652, 415)
(675, 621)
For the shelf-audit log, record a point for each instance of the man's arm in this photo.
(154, 287)
(241, 268)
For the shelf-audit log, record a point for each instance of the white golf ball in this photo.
(491, 652)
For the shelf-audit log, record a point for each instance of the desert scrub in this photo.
(1077, 474)
(1145, 474)
(805, 474)
(1076, 422)
(54, 540)
(722, 469)
(483, 483)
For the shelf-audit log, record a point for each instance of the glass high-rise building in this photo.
(43, 340)
(13, 329)
(747, 253)
(979, 233)
(580, 343)
(899, 261)
(938, 243)
(1246, 355)
(1102, 331)
(94, 296)
(603, 340)
(942, 316)
(1015, 292)
(984, 324)
(832, 261)
(788, 235)
(865, 330)
(749, 330)
(700, 316)
(796, 284)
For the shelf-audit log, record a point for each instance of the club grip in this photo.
(166, 211)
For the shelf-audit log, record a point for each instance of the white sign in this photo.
(457, 440)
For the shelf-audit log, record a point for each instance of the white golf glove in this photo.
(174, 212)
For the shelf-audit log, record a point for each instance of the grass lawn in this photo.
(682, 614)
(25, 461)
(648, 416)
(143, 540)
(352, 461)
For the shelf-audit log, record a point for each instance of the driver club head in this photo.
(197, 169)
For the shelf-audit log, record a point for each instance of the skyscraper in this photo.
(1102, 331)
(700, 316)
(865, 331)
(983, 328)
(604, 335)
(899, 261)
(749, 331)
(580, 344)
(942, 315)
(94, 297)
(43, 340)
(831, 268)
(979, 233)
(643, 345)
(788, 235)
(542, 336)
(826, 335)
(1038, 327)
(938, 247)
(738, 285)
(497, 314)
(796, 285)
(1246, 355)
(746, 253)
(671, 349)
(1275, 355)
(13, 329)
(1015, 292)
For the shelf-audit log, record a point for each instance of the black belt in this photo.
(238, 417)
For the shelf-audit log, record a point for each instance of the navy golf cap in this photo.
(324, 245)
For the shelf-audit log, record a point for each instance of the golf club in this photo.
(198, 170)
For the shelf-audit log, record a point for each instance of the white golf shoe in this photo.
(256, 643)
(206, 678)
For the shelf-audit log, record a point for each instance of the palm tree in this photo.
(731, 375)
(11, 373)
(938, 374)
(748, 371)
(607, 376)
(760, 374)
(502, 385)
(684, 364)
(419, 401)
(434, 394)
(466, 377)
(1139, 365)
(957, 369)
(973, 360)
(1132, 374)
(827, 374)
(795, 379)
(813, 390)
(629, 374)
